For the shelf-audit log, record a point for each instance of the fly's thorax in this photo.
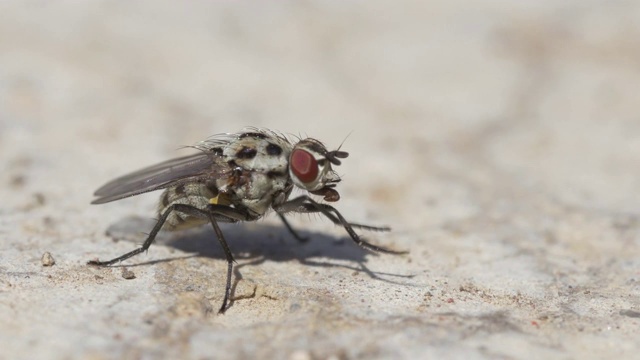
(258, 165)
(254, 191)
(258, 152)
(194, 194)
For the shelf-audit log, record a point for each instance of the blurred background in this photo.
(501, 139)
(536, 89)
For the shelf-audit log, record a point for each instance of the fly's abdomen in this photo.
(196, 195)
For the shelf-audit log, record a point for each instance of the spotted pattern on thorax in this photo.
(260, 166)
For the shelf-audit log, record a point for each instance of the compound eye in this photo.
(304, 166)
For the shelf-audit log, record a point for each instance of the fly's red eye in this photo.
(304, 166)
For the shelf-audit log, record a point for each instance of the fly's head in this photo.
(310, 168)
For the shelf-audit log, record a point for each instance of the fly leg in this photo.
(227, 253)
(213, 213)
(335, 220)
(305, 204)
(300, 238)
(152, 235)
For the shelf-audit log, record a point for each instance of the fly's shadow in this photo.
(253, 242)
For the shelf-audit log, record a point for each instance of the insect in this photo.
(238, 177)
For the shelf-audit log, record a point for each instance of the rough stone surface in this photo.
(500, 140)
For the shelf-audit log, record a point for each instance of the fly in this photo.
(238, 177)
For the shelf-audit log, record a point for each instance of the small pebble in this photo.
(128, 274)
(47, 259)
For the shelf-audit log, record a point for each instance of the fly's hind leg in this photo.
(213, 213)
(152, 235)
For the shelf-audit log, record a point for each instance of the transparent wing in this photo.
(191, 168)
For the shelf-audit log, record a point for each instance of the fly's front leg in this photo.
(305, 204)
(309, 208)
(298, 207)
(300, 238)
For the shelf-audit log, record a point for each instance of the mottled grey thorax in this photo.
(259, 178)
(260, 166)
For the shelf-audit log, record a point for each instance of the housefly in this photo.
(238, 177)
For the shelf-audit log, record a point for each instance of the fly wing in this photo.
(191, 168)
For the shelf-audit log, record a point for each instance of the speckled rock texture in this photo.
(500, 140)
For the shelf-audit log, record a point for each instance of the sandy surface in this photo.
(501, 141)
